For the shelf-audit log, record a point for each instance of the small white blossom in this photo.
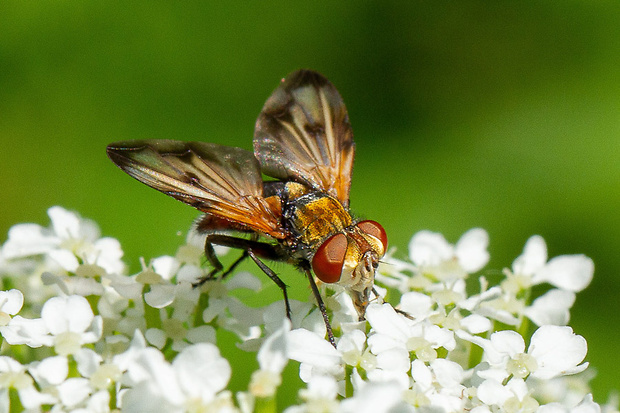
(434, 255)
(316, 355)
(70, 323)
(435, 261)
(13, 375)
(393, 330)
(377, 397)
(69, 240)
(193, 381)
(553, 308)
(437, 384)
(566, 272)
(272, 358)
(587, 405)
(66, 324)
(514, 396)
(319, 397)
(553, 351)
(10, 303)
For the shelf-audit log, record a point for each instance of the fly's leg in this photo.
(401, 312)
(217, 265)
(251, 248)
(263, 249)
(274, 277)
(321, 305)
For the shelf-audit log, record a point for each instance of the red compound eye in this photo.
(329, 258)
(374, 229)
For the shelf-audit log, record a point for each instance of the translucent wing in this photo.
(222, 181)
(303, 134)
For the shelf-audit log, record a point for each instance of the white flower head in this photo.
(70, 239)
(434, 255)
(437, 351)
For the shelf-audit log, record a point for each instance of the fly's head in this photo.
(350, 258)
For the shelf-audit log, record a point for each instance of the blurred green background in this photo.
(503, 115)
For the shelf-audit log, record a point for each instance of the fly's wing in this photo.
(222, 181)
(303, 134)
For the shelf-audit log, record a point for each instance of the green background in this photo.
(499, 115)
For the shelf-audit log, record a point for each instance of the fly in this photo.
(303, 140)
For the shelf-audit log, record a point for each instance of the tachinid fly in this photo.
(304, 141)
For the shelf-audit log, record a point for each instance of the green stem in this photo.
(265, 405)
(348, 384)
(112, 392)
(203, 303)
(523, 328)
(475, 355)
(152, 316)
(16, 403)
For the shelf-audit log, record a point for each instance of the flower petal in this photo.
(11, 301)
(471, 250)
(273, 354)
(201, 371)
(25, 240)
(307, 347)
(63, 314)
(557, 350)
(429, 249)
(551, 308)
(533, 258)
(568, 272)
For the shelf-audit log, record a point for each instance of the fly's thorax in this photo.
(313, 216)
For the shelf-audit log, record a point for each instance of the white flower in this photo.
(551, 308)
(13, 375)
(566, 272)
(434, 259)
(71, 323)
(393, 330)
(587, 405)
(193, 381)
(352, 347)
(434, 255)
(568, 390)
(377, 397)
(10, 303)
(66, 324)
(243, 320)
(319, 396)
(272, 358)
(558, 351)
(514, 396)
(437, 384)
(162, 291)
(71, 239)
(553, 351)
(316, 355)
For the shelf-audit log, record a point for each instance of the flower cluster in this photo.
(80, 334)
